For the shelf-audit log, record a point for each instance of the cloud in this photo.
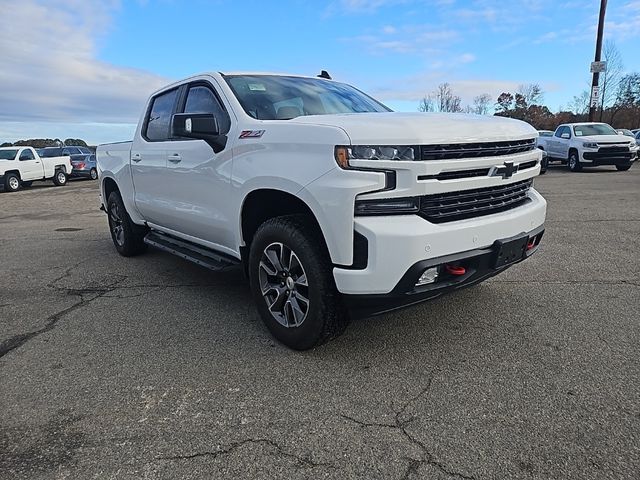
(51, 72)
(407, 39)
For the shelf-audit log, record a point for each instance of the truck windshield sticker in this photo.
(257, 87)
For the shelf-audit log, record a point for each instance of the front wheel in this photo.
(11, 182)
(60, 178)
(623, 168)
(127, 237)
(574, 162)
(292, 283)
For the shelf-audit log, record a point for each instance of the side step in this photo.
(189, 251)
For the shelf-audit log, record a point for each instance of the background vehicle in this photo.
(82, 159)
(590, 145)
(85, 167)
(331, 202)
(20, 166)
(625, 132)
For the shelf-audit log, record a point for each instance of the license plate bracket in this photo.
(510, 250)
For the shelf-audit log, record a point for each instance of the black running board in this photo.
(189, 251)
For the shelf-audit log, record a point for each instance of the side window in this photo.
(27, 155)
(201, 99)
(65, 151)
(159, 119)
(84, 150)
(559, 132)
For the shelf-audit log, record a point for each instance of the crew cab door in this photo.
(149, 158)
(198, 179)
(554, 142)
(30, 165)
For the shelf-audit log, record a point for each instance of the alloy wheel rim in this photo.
(14, 183)
(283, 285)
(94, 174)
(116, 224)
(572, 161)
(62, 178)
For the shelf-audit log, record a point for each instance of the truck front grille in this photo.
(452, 206)
(475, 150)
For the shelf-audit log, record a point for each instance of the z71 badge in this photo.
(251, 133)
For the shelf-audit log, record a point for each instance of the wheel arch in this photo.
(263, 204)
(17, 172)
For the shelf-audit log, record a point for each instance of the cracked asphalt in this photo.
(150, 367)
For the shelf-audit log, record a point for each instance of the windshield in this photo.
(8, 154)
(271, 97)
(51, 152)
(594, 129)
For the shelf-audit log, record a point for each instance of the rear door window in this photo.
(159, 118)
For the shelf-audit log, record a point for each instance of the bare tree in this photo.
(481, 104)
(426, 104)
(580, 103)
(531, 93)
(446, 101)
(610, 78)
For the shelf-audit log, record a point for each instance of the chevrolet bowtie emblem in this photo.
(505, 171)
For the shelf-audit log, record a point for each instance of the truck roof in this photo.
(581, 123)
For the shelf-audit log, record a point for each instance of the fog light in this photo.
(428, 276)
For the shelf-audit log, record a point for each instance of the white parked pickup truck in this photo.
(334, 205)
(20, 166)
(589, 145)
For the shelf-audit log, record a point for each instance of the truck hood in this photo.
(606, 139)
(396, 128)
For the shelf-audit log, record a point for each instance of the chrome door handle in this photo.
(175, 158)
(136, 157)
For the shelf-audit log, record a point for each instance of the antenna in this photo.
(325, 74)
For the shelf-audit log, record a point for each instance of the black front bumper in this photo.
(608, 158)
(479, 265)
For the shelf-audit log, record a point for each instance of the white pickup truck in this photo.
(589, 145)
(20, 166)
(334, 205)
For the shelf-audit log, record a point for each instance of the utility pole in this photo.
(593, 103)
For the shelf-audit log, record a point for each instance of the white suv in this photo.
(334, 205)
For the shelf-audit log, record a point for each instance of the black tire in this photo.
(325, 316)
(93, 174)
(623, 168)
(128, 238)
(11, 182)
(26, 184)
(544, 164)
(60, 178)
(574, 161)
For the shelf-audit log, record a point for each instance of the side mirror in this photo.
(203, 126)
(565, 135)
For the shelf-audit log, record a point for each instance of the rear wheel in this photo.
(292, 283)
(93, 174)
(127, 237)
(11, 182)
(574, 161)
(59, 178)
(623, 168)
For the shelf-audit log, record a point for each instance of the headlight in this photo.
(372, 152)
(633, 145)
(590, 145)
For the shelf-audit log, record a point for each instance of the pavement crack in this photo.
(305, 462)
(401, 424)
(52, 320)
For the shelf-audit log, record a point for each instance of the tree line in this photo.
(619, 100)
(46, 142)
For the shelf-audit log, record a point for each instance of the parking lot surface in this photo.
(151, 367)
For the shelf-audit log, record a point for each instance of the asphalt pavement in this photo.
(154, 368)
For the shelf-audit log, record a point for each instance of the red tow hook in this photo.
(455, 269)
(531, 244)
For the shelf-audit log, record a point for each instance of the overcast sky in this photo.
(83, 68)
